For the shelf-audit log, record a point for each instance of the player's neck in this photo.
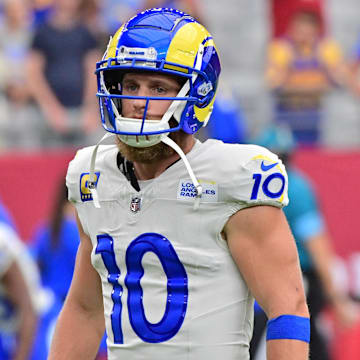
(147, 171)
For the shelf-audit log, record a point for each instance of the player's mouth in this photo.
(148, 117)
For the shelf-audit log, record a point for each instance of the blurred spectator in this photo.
(62, 80)
(191, 7)
(19, 125)
(317, 258)
(115, 12)
(54, 247)
(355, 67)
(302, 67)
(41, 10)
(19, 294)
(90, 12)
(282, 11)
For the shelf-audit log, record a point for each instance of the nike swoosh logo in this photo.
(267, 167)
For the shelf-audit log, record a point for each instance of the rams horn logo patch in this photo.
(84, 186)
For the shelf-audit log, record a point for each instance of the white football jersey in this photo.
(171, 288)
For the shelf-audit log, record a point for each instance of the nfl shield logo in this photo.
(135, 204)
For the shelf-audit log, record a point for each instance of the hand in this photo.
(17, 93)
(90, 119)
(356, 89)
(346, 311)
(57, 118)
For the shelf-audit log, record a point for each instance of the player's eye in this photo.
(159, 90)
(130, 87)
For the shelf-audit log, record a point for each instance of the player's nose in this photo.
(140, 103)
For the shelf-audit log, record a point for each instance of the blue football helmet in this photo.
(165, 41)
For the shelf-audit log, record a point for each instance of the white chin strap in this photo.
(165, 139)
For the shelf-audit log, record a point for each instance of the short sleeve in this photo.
(259, 179)
(71, 181)
(279, 53)
(330, 53)
(279, 58)
(76, 179)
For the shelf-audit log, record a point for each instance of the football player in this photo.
(177, 236)
(19, 289)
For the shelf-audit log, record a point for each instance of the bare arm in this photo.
(276, 76)
(90, 102)
(16, 289)
(263, 248)
(353, 69)
(81, 324)
(322, 254)
(40, 90)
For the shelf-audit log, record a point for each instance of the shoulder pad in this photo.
(260, 178)
(78, 173)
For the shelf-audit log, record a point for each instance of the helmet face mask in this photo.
(162, 41)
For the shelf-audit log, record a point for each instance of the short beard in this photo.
(151, 154)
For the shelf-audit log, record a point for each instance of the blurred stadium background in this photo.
(242, 29)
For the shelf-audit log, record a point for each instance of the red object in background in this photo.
(283, 10)
(28, 186)
(347, 344)
(335, 176)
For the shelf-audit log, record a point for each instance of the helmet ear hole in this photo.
(113, 81)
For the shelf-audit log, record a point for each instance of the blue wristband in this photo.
(289, 327)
